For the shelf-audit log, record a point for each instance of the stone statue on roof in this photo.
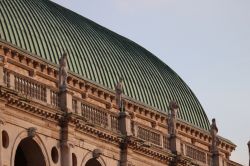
(215, 139)
(63, 71)
(119, 91)
(173, 106)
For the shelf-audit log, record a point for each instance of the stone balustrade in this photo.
(148, 135)
(94, 115)
(195, 154)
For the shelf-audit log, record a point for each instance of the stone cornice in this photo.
(28, 105)
(203, 136)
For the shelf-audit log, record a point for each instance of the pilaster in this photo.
(1, 71)
(175, 144)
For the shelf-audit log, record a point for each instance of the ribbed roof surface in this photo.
(47, 29)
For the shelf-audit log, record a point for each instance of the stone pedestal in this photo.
(65, 100)
(175, 144)
(124, 123)
(217, 159)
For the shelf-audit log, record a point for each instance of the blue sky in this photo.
(207, 42)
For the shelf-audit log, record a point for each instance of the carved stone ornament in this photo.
(63, 71)
(97, 153)
(119, 91)
(32, 132)
(173, 105)
(2, 122)
(215, 139)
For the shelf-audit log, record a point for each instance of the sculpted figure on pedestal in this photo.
(215, 139)
(173, 106)
(119, 91)
(63, 71)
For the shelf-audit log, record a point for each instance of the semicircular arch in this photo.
(21, 136)
(89, 156)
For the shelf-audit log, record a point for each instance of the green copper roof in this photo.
(47, 29)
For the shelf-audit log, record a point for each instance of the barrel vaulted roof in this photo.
(46, 29)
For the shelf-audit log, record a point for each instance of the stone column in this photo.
(65, 104)
(66, 159)
(248, 144)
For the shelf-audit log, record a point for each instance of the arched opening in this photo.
(93, 162)
(29, 153)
